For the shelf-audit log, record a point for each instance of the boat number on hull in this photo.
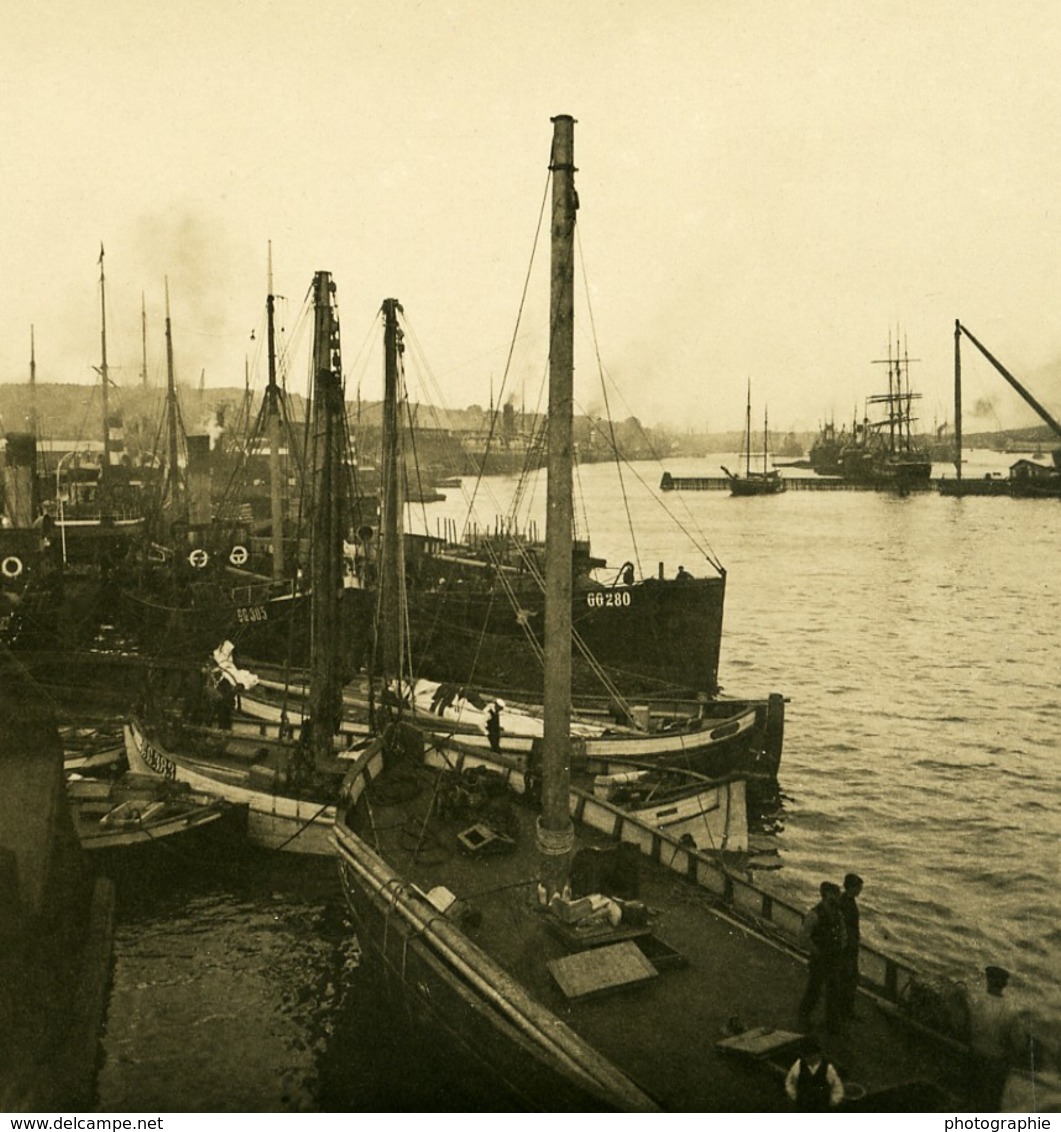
(608, 599)
(248, 614)
(157, 762)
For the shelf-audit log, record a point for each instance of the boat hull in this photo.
(274, 821)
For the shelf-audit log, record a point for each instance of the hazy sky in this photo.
(768, 190)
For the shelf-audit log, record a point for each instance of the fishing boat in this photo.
(138, 810)
(289, 785)
(578, 956)
(767, 481)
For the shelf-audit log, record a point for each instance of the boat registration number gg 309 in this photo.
(608, 599)
(247, 614)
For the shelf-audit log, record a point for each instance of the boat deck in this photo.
(716, 976)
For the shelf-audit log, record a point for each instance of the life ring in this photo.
(198, 558)
(238, 555)
(11, 567)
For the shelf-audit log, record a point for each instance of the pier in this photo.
(800, 483)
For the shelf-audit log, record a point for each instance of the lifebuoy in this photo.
(11, 566)
(198, 558)
(238, 555)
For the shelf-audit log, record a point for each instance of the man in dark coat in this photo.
(850, 911)
(826, 940)
(812, 1084)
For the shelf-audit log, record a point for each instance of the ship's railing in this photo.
(261, 592)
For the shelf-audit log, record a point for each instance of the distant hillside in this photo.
(72, 412)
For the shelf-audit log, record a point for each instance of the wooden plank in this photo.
(602, 970)
(760, 1042)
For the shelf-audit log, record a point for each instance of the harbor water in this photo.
(915, 639)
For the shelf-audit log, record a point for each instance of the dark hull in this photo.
(651, 638)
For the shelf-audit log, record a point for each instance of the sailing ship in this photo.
(768, 481)
(885, 452)
(521, 942)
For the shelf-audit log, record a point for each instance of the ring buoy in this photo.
(198, 558)
(238, 555)
(11, 567)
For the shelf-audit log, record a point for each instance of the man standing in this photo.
(826, 940)
(493, 725)
(812, 1084)
(849, 973)
(989, 1033)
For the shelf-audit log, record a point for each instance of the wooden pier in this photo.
(794, 483)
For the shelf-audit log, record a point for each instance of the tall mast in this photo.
(391, 520)
(748, 433)
(555, 832)
(103, 370)
(172, 409)
(272, 409)
(143, 340)
(326, 546)
(958, 399)
(766, 434)
(32, 382)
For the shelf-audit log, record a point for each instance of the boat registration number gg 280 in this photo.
(246, 614)
(605, 599)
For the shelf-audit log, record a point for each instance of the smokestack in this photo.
(116, 430)
(20, 476)
(199, 510)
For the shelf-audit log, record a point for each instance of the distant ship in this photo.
(883, 451)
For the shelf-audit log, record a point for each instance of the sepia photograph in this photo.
(525, 571)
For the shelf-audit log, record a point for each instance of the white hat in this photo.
(497, 705)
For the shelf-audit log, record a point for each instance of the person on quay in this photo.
(813, 1084)
(850, 911)
(826, 940)
(990, 1025)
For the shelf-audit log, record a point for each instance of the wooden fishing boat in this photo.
(289, 786)
(728, 739)
(581, 957)
(137, 810)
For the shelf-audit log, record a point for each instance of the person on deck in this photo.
(990, 1024)
(849, 974)
(812, 1084)
(493, 725)
(826, 939)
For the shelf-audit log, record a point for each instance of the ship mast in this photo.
(555, 832)
(143, 341)
(326, 544)
(103, 369)
(272, 409)
(32, 382)
(390, 520)
(173, 487)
